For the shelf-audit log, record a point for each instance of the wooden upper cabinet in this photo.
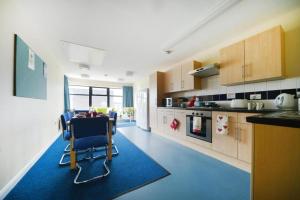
(177, 78)
(156, 89)
(176, 72)
(264, 55)
(172, 79)
(232, 64)
(260, 57)
(189, 82)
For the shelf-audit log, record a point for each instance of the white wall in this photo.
(27, 125)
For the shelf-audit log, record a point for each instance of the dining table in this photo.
(73, 159)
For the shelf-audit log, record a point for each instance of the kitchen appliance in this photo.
(239, 103)
(142, 111)
(197, 102)
(169, 102)
(285, 101)
(206, 132)
(299, 104)
(206, 71)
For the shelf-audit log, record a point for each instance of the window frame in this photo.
(90, 95)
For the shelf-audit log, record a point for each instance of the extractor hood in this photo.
(207, 70)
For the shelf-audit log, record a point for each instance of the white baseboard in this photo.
(13, 182)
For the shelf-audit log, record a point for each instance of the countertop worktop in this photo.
(220, 109)
(280, 118)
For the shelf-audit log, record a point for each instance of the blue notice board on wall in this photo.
(30, 72)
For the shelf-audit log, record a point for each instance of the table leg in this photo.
(72, 155)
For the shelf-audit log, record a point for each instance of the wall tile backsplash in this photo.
(213, 91)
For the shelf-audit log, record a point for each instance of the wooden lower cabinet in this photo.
(226, 144)
(180, 115)
(169, 117)
(245, 142)
(276, 163)
(238, 142)
(164, 119)
(153, 118)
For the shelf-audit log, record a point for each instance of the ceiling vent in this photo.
(129, 73)
(85, 76)
(120, 79)
(84, 67)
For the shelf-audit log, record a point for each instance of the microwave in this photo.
(168, 102)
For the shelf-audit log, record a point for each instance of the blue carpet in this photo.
(46, 180)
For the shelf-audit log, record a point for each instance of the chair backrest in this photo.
(63, 121)
(86, 127)
(114, 115)
(70, 115)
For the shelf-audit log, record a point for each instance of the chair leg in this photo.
(62, 163)
(116, 150)
(67, 149)
(94, 178)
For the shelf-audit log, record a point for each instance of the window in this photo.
(79, 97)
(99, 97)
(83, 97)
(116, 98)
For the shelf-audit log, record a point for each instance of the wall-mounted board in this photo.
(30, 72)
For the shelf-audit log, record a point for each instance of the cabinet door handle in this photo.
(182, 84)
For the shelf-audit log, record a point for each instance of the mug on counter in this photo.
(259, 105)
(251, 105)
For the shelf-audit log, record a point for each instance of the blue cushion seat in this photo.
(88, 142)
(67, 135)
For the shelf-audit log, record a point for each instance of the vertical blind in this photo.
(66, 94)
(127, 96)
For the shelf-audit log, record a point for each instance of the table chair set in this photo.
(86, 136)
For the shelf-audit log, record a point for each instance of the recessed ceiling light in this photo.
(129, 73)
(168, 51)
(85, 76)
(84, 67)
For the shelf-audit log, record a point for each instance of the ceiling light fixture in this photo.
(216, 10)
(84, 67)
(129, 73)
(83, 54)
(85, 76)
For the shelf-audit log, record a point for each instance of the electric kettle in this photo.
(285, 101)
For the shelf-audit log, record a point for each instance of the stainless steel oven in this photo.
(205, 133)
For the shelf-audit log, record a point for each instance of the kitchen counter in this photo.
(280, 118)
(220, 109)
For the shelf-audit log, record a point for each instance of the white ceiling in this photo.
(133, 33)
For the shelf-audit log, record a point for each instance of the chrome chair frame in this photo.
(107, 172)
(92, 150)
(67, 149)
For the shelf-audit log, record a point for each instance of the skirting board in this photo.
(13, 182)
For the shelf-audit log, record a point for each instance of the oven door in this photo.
(205, 132)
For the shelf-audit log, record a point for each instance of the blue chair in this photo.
(66, 134)
(64, 118)
(90, 133)
(114, 115)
